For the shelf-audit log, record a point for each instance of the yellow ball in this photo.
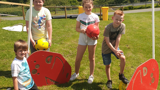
(41, 44)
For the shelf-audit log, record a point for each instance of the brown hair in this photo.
(87, 1)
(119, 12)
(20, 44)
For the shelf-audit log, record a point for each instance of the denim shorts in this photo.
(107, 58)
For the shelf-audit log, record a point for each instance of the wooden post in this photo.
(100, 13)
(65, 12)
(55, 10)
(23, 13)
(122, 8)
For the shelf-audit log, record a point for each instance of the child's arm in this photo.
(15, 83)
(111, 46)
(49, 29)
(27, 28)
(78, 28)
(118, 41)
(95, 38)
(97, 24)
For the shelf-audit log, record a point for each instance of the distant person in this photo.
(83, 20)
(41, 25)
(112, 35)
(22, 79)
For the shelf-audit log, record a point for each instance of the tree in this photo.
(17, 1)
(73, 2)
(132, 1)
(57, 2)
(119, 1)
(144, 1)
(101, 2)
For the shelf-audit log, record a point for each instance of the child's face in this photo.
(88, 8)
(38, 4)
(20, 54)
(117, 20)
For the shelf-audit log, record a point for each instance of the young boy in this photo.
(112, 35)
(41, 26)
(21, 76)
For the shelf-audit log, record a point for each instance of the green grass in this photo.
(136, 44)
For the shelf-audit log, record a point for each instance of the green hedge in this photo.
(13, 10)
(17, 10)
(138, 7)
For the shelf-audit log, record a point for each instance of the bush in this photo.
(137, 7)
(148, 7)
(13, 10)
(125, 8)
(130, 7)
(141, 7)
(157, 6)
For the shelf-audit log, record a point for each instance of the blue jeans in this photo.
(107, 58)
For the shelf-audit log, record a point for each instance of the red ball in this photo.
(92, 30)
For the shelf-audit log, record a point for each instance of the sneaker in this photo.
(74, 76)
(124, 80)
(109, 84)
(90, 79)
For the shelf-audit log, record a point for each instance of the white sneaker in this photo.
(90, 79)
(74, 76)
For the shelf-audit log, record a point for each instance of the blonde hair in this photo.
(87, 1)
(42, 0)
(119, 12)
(20, 44)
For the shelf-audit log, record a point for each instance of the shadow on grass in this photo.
(83, 84)
(7, 88)
(86, 86)
(114, 89)
(6, 74)
(65, 84)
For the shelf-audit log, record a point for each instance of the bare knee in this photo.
(91, 59)
(122, 58)
(108, 66)
(78, 60)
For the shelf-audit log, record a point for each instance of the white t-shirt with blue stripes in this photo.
(20, 69)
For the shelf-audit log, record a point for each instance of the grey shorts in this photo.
(85, 40)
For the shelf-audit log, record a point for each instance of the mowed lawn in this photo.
(136, 44)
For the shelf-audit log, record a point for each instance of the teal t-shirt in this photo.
(20, 69)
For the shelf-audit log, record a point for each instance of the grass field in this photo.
(136, 44)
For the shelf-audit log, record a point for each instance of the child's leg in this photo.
(34, 87)
(108, 71)
(32, 48)
(91, 50)
(122, 63)
(107, 63)
(80, 51)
